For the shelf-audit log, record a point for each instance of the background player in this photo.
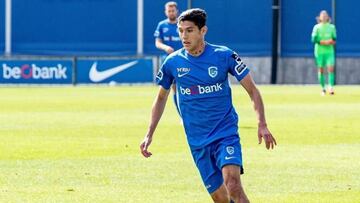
(324, 38)
(201, 72)
(167, 37)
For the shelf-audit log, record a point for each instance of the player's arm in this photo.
(157, 110)
(160, 45)
(333, 36)
(328, 42)
(314, 36)
(263, 132)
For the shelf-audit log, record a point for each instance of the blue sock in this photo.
(231, 201)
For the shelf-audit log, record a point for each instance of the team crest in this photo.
(213, 71)
(165, 29)
(230, 150)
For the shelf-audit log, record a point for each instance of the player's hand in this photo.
(264, 133)
(169, 50)
(327, 42)
(324, 42)
(144, 146)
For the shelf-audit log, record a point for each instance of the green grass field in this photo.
(81, 144)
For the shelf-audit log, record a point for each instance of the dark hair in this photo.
(195, 15)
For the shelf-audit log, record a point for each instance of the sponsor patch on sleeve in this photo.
(240, 65)
(160, 74)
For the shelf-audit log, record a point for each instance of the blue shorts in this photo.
(211, 158)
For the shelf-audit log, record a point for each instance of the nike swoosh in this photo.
(180, 75)
(229, 157)
(97, 76)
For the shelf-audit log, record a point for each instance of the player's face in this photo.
(191, 36)
(324, 17)
(171, 13)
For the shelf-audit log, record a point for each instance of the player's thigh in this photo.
(320, 60)
(228, 152)
(210, 174)
(329, 60)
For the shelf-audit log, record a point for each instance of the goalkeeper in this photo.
(324, 38)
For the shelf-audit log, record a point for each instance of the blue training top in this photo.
(168, 34)
(203, 91)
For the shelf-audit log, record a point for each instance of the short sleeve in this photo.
(314, 37)
(334, 33)
(236, 66)
(164, 76)
(158, 33)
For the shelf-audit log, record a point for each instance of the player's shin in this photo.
(321, 79)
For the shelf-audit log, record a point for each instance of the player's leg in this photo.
(331, 79)
(231, 174)
(220, 195)
(321, 78)
(319, 59)
(210, 173)
(229, 159)
(330, 62)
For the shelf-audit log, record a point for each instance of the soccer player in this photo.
(324, 38)
(167, 37)
(200, 70)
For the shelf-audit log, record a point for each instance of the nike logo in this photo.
(229, 157)
(182, 74)
(97, 76)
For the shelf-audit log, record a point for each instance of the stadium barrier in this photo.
(77, 70)
(36, 71)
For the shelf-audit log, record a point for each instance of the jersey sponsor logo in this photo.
(173, 38)
(182, 71)
(230, 150)
(97, 76)
(213, 71)
(33, 71)
(241, 66)
(198, 89)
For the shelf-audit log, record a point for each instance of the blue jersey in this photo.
(204, 93)
(168, 34)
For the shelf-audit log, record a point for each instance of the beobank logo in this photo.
(33, 71)
(198, 89)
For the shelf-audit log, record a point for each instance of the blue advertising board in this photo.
(36, 71)
(114, 70)
(2, 27)
(92, 27)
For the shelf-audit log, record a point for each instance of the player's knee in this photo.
(233, 186)
(220, 197)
